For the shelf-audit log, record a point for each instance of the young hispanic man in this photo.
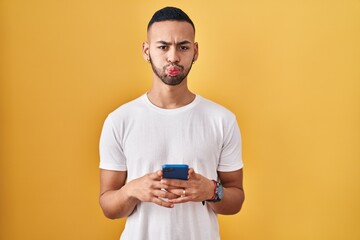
(170, 125)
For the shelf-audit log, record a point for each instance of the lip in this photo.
(173, 71)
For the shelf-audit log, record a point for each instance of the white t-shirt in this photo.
(140, 137)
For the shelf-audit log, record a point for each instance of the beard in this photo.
(168, 79)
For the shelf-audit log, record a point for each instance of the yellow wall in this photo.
(290, 70)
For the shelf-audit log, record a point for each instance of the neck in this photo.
(170, 97)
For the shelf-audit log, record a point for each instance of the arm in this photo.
(114, 201)
(233, 193)
(119, 199)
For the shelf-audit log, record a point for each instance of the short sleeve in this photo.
(231, 153)
(111, 152)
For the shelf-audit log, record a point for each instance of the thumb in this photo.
(155, 175)
(191, 173)
(159, 173)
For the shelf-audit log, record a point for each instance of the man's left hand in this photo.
(196, 189)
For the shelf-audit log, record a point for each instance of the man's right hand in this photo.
(149, 189)
(118, 199)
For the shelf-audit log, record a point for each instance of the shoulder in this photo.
(127, 109)
(211, 108)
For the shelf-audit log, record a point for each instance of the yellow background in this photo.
(290, 70)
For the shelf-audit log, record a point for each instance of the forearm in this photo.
(117, 203)
(231, 203)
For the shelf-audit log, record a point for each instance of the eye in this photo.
(184, 48)
(163, 47)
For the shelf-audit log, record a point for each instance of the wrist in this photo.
(127, 191)
(216, 196)
(219, 192)
(213, 191)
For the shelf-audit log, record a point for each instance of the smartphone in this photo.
(176, 171)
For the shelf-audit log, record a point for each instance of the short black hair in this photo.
(170, 14)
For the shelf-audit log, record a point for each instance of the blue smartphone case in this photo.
(175, 171)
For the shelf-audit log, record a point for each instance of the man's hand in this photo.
(149, 188)
(196, 189)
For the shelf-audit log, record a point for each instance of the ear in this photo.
(196, 51)
(145, 51)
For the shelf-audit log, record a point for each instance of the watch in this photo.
(219, 193)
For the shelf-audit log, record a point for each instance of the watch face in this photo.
(219, 191)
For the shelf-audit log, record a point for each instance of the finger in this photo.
(162, 202)
(160, 185)
(155, 176)
(191, 173)
(174, 182)
(180, 200)
(165, 194)
(178, 192)
(172, 196)
(159, 173)
(170, 187)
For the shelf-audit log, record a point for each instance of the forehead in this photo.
(171, 31)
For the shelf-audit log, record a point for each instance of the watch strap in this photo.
(218, 193)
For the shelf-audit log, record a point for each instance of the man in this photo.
(170, 125)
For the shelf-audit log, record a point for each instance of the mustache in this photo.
(173, 65)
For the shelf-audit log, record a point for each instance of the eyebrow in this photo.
(169, 43)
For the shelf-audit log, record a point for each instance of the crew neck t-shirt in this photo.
(139, 137)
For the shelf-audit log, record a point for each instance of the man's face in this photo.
(171, 50)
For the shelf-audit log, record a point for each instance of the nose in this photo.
(173, 56)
